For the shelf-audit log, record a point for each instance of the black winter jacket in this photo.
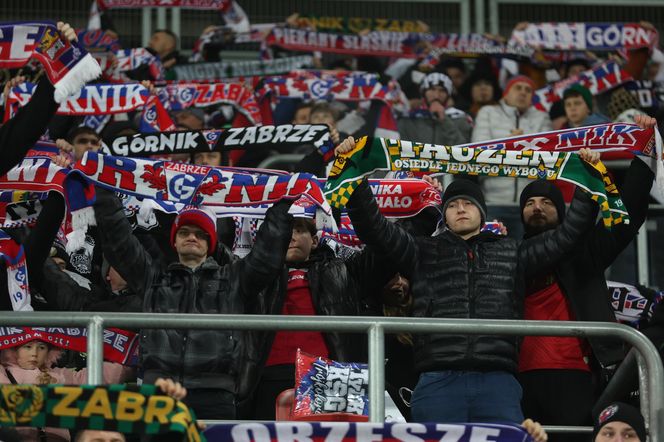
(338, 288)
(580, 274)
(482, 277)
(195, 358)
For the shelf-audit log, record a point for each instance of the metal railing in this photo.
(651, 385)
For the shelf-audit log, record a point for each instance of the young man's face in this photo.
(576, 110)
(301, 245)
(32, 355)
(191, 241)
(463, 217)
(208, 158)
(520, 96)
(115, 281)
(540, 213)
(617, 432)
(456, 75)
(85, 142)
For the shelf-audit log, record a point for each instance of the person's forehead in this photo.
(538, 198)
(523, 84)
(618, 426)
(86, 136)
(193, 227)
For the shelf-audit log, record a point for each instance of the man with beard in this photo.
(554, 371)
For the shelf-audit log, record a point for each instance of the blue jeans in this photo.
(467, 396)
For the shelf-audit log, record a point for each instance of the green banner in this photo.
(371, 154)
(121, 408)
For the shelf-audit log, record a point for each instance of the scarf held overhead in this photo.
(39, 175)
(586, 36)
(66, 63)
(120, 346)
(197, 185)
(93, 99)
(122, 408)
(372, 154)
(141, 145)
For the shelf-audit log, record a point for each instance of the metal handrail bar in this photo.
(375, 326)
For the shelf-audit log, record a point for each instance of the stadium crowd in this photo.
(464, 254)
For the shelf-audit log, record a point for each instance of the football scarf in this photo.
(586, 36)
(13, 256)
(130, 59)
(392, 44)
(37, 175)
(67, 65)
(190, 184)
(219, 140)
(597, 80)
(372, 154)
(355, 25)
(182, 96)
(93, 99)
(630, 306)
(206, 5)
(222, 35)
(154, 117)
(120, 346)
(233, 69)
(123, 408)
(97, 40)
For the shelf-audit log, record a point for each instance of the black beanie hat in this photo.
(466, 189)
(546, 189)
(621, 412)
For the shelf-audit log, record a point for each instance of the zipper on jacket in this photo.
(471, 299)
(185, 338)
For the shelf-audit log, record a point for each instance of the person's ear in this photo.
(314, 241)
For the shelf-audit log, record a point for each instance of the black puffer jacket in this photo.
(195, 358)
(338, 288)
(479, 278)
(580, 274)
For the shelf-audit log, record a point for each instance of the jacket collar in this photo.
(208, 264)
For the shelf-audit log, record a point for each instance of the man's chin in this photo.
(535, 228)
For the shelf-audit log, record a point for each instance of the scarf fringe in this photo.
(85, 70)
(80, 221)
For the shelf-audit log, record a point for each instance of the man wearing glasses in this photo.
(205, 362)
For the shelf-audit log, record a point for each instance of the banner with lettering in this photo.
(120, 346)
(372, 154)
(341, 86)
(363, 431)
(185, 95)
(252, 137)
(356, 25)
(187, 4)
(191, 184)
(582, 36)
(67, 65)
(230, 69)
(124, 408)
(598, 80)
(632, 305)
(392, 44)
(92, 99)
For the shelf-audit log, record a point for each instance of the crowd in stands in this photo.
(547, 262)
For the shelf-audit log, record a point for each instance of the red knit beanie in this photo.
(518, 79)
(199, 217)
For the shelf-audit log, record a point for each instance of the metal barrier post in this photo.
(376, 373)
(642, 264)
(176, 22)
(479, 16)
(146, 25)
(644, 390)
(95, 348)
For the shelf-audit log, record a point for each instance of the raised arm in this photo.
(121, 248)
(266, 259)
(382, 237)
